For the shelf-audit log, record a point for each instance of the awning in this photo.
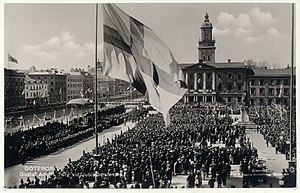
(79, 101)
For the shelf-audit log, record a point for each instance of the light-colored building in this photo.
(80, 84)
(232, 82)
(36, 92)
(211, 81)
(74, 85)
(269, 86)
(56, 84)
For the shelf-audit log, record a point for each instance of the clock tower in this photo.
(206, 49)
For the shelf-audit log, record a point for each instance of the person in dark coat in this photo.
(219, 180)
(211, 183)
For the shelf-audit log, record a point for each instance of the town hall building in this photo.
(229, 82)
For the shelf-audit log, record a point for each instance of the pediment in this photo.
(199, 66)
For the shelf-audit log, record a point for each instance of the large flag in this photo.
(12, 59)
(132, 52)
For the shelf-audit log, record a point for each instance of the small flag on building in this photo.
(89, 90)
(12, 59)
(60, 91)
(280, 91)
(133, 53)
(81, 93)
(44, 92)
(23, 92)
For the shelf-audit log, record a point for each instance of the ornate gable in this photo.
(199, 66)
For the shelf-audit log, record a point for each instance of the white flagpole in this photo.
(292, 83)
(7, 61)
(96, 80)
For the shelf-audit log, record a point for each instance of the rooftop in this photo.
(218, 65)
(32, 81)
(72, 73)
(272, 72)
(46, 73)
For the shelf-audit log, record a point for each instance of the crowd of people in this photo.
(27, 144)
(273, 124)
(150, 155)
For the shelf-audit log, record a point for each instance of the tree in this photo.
(257, 65)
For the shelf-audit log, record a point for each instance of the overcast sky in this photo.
(62, 35)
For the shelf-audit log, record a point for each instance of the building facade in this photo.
(74, 85)
(88, 85)
(13, 88)
(231, 82)
(79, 84)
(269, 86)
(56, 81)
(36, 92)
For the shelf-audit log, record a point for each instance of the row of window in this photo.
(231, 87)
(11, 92)
(229, 76)
(271, 91)
(14, 82)
(73, 92)
(74, 80)
(229, 99)
(57, 83)
(45, 77)
(75, 85)
(36, 94)
(268, 101)
(272, 82)
(36, 87)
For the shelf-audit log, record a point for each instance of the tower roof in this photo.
(206, 22)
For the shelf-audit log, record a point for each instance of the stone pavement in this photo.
(276, 162)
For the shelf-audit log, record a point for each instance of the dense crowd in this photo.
(27, 144)
(273, 124)
(149, 155)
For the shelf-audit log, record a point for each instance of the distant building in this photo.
(36, 92)
(88, 85)
(13, 88)
(208, 81)
(269, 86)
(215, 82)
(231, 82)
(79, 84)
(56, 84)
(74, 85)
(105, 86)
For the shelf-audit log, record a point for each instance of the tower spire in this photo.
(206, 18)
(206, 49)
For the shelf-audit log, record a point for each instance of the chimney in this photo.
(229, 60)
